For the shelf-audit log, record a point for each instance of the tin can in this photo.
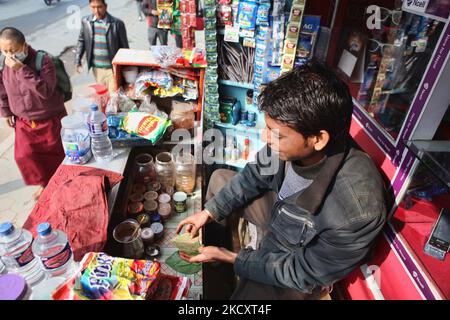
(155, 217)
(164, 210)
(180, 202)
(164, 198)
(158, 230)
(148, 236)
(150, 206)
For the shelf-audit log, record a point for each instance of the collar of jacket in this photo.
(323, 173)
(31, 56)
(106, 19)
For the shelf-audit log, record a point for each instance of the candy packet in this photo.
(145, 125)
(102, 277)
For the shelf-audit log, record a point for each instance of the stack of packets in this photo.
(188, 11)
(102, 277)
(185, 243)
(211, 76)
(292, 35)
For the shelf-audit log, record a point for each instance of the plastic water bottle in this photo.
(52, 249)
(98, 129)
(16, 253)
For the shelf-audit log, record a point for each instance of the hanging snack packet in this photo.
(263, 14)
(102, 277)
(247, 15)
(145, 125)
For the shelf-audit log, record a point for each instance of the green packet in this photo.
(145, 125)
(186, 244)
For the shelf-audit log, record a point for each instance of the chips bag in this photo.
(145, 125)
(102, 277)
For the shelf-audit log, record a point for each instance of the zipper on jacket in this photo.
(304, 220)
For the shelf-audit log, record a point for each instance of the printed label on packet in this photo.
(58, 260)
(249, 42)
(289, 47)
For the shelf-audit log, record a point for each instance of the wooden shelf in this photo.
(241, 85)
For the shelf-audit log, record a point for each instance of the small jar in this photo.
(75, 139)
(154, 186)
(137, 197)
(151, 195)
(134, 208)
(164, 198)
(165, 169)
(139, 188)
(164, 210)
(144, 169)
(185, 172)
(180, 202)
(150, 206)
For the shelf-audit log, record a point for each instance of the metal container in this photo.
(128, 235)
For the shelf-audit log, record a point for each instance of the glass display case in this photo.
(391, 55)
(427, 201)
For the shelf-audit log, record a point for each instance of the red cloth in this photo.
(38, 150)
(75, 202)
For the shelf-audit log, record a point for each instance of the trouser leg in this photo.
(162, 36)
(152, 36)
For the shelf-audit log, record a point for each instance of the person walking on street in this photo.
(101, 36)
(150, 10)
(31, 103)
(139, 9)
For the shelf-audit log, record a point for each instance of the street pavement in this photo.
(54, 29)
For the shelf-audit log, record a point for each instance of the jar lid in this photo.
(157, 227)
(150, 205)
(12, 287)
(147, 234)
(151, 195)
(153, 252)
(72, 121)
(164, 198)
(137, 197)
(179, 196)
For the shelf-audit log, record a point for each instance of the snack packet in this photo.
(102, 277)
(145, 125)
(171, 288)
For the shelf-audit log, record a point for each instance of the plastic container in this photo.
(82, 107)
(101, 97)
(180, 202)
(16, 253)
(53, 251)
(165, 169)
(98, 129)
(130, 74)
(185, 168)
(75, 139)
(13, 287)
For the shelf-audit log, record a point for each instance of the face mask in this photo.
(21, 56)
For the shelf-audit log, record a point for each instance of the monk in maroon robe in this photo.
(31, 103)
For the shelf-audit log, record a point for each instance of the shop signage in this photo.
(415, 5)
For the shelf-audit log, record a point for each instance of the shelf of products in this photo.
(236, 84)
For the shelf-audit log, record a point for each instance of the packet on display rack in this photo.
(247, 13)
(145, 125)
(102, 277)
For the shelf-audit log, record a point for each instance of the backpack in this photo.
(63, 79)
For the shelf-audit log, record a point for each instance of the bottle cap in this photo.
(94, 107)
(44, 229)
(6, 228)
(12, 287)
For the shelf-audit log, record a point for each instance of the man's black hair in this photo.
(10, 33)
(104, 1)
(310, 98)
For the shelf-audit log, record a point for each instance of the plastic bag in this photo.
(166, 56)
(148, 106)
(119, 102)
(171, 288)
(145, 125)
(154, 78)
(102, 277)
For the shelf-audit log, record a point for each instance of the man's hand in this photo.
(10, 121)
(13, 63)
(194, 222)
(79, 68)
(211, 254)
